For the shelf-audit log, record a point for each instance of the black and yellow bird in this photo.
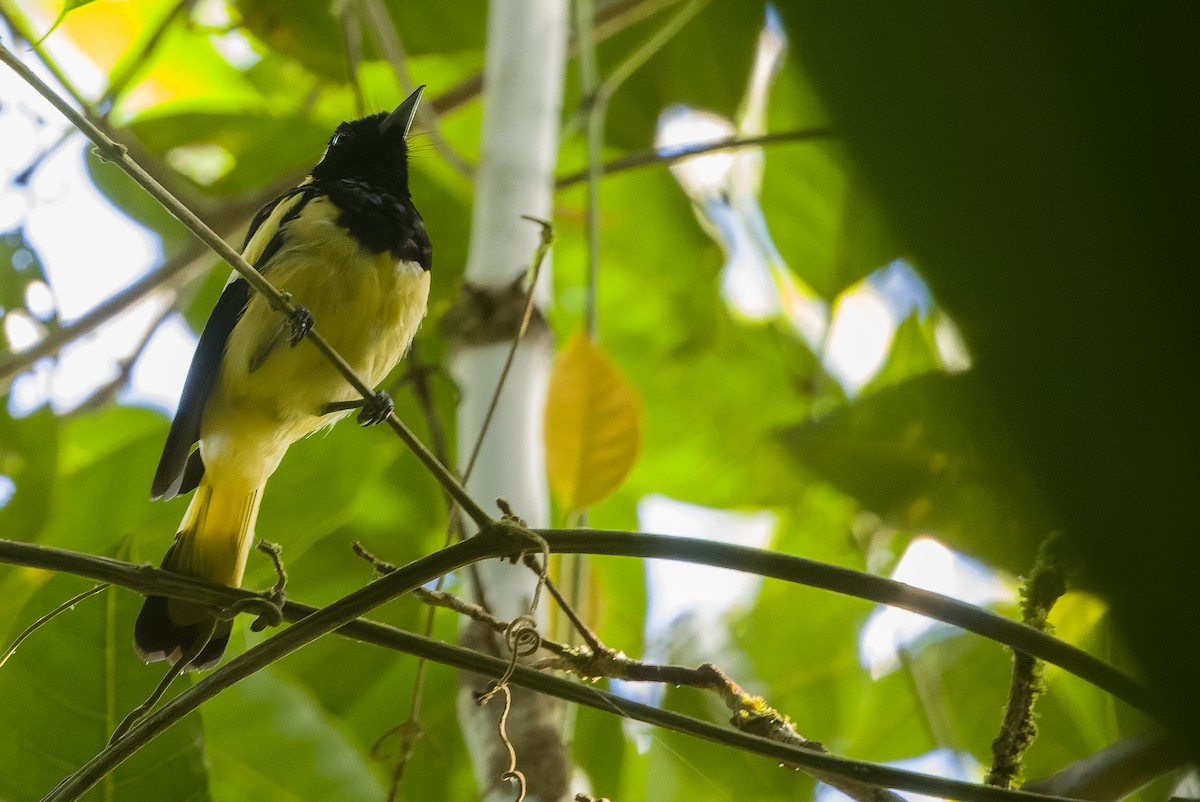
(351, 249)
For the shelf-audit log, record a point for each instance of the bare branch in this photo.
(653, 156)
(861, 585)
(489, 543)
(637, 544)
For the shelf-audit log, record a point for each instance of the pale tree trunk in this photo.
(522, 110)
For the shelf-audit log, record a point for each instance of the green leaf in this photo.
(67, 8)
(304, 30)
(825, 665)
(912, 353)
(29, 458)
(310, 755)
(108, 458)
(68, 687)
(262, 147)
(924, 455)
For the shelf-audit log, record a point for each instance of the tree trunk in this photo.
(522, 109)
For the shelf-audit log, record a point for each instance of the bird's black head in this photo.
(374, 148)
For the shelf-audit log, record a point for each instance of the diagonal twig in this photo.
(114, 152)
(654, 156)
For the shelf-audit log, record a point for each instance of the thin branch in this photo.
(589, 82)
(116, 153)
(535, 270)
(597, 95)
(69, 604)
(654, 156)
(172, 674)
(786, 567)
(750, 714)
(490, 543)
(589, 637)
(614, 17)
(849, 582)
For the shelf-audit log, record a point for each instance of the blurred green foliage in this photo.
(737, 416)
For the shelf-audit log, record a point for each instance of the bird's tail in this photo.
(212, 543)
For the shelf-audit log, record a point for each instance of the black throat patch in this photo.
(378, 219)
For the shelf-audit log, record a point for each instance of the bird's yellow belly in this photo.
(269, 394)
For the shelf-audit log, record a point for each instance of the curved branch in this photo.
(634, 544)
(649, 156)
(849, 582)
(311, 623)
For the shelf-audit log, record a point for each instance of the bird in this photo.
(351, 250)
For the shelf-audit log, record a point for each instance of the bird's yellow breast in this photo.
(368, 306)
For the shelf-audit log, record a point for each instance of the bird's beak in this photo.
(404, 114)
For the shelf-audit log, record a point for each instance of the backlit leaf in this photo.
(593, 425)
(925, 454)
(67, 8)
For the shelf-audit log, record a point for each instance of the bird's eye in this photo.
(341, 137)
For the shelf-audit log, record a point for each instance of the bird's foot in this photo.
(302, 323)
(376, 409)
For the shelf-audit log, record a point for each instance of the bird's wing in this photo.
(179, 469)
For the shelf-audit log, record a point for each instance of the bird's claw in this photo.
(302, 323)
(376, 409)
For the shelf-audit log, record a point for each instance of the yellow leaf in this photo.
(593, 425)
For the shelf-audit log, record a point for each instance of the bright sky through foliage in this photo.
(100, 253)
(929, 565)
